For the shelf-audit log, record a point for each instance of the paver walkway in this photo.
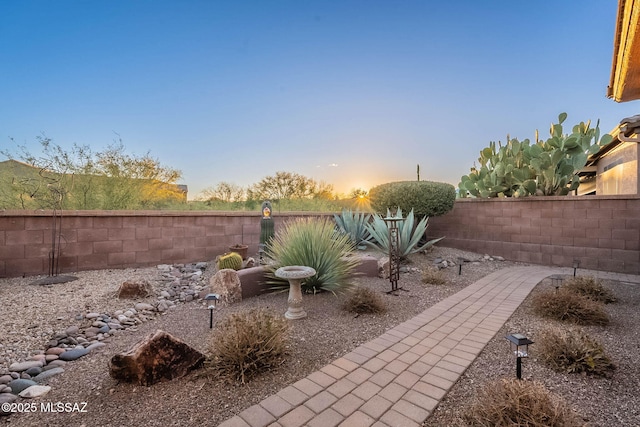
(398, 378)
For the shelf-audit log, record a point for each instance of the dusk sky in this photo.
(353, 93)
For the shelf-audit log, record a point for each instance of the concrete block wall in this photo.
(121, 239)
(602, 232)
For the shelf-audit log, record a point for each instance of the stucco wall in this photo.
(603, 232)
(618, 171)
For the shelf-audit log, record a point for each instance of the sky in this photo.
(351, 93)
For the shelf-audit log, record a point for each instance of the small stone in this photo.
(98, 324)
(162, 306)
(35, 391)
(74, 354)
(498, 258)
(92, 315)
(95, 345)
(6, 398)
(33, 371)
(20, 384)
(23, 366)
(55, 364)
(104, 329)
(5, 379)
(144, 306)
(45, 375)
(50, 357)
(72, 331)
(55, 350)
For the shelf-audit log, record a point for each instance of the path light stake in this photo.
(576, 264)
(520, 348)
(213, 300)
(394, 252)
(556, 280)
(460, 262)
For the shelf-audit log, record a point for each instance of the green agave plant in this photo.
(313, 243)
(354, 224)
(408, 235)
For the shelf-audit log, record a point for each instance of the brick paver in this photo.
(398, 378)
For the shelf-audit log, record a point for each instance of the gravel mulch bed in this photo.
(31, 314)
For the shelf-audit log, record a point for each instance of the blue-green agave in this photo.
(409, 235)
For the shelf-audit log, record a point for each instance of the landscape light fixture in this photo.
(520, 347)
(212, 299)
(556, 280)
(576, 264)
(460, 262)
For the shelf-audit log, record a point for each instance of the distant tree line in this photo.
(81, 179)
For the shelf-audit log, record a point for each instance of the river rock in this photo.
(42, 377)
(35, 391)
(74, 354)
(23, 366)
(20, 384)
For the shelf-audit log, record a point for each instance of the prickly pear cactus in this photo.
(231, 260)
(542, 168)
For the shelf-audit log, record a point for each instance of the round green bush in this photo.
(426, 198)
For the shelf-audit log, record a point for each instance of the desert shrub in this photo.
(433, 276)
(573, 351)
(591, 288)
(409, 234)
(569, 306)
(313, 242)
(364, 301)
(248, 343)
(354, 225)
(426, 198)
(512, 402)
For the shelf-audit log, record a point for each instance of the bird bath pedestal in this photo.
(294, 274)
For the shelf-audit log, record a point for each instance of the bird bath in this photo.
(295, 274)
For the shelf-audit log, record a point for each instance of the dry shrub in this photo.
(364, 301)
(433, 277)
(590, 287)
(573, 351)
(512, 402)
(248, 343)
(569, 306)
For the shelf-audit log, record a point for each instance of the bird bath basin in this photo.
(295, 274)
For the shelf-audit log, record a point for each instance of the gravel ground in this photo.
(32, 313)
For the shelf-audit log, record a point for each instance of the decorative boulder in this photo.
(159, 356)
(383, 267)
(130, 290)
(226, 283)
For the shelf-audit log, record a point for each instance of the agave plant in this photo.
(354, 224)
(313, 243)
(409, 235)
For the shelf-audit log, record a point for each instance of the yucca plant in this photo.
(409, 235)
(354, 224)
(313, 243)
